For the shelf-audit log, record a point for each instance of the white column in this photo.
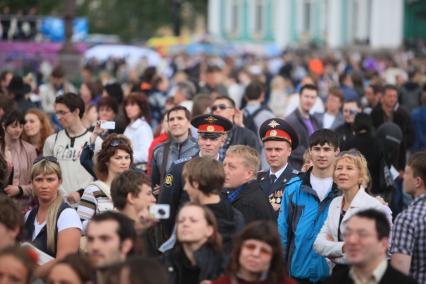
(363, 20)
(213, 21)
(333, 34)
(281, 25)
(386, 23)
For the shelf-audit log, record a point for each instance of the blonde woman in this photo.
(52, 226)
(351, 177)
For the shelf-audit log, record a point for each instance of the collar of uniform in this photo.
(279, 172)
(217, 158)
(375, 277)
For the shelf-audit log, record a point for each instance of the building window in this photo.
(308, 16)
(235, 16)
(259, 12)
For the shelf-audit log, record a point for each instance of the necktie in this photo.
(272, 178)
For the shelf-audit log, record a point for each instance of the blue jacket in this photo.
(300, 219)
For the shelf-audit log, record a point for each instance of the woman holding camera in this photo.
(53, 226)
(256, 257)
(115, 157)
(198, 254)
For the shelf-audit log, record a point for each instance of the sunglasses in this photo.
(263, 251)
(46, 158)
(352, 152)
(220, 106)
(116, 142)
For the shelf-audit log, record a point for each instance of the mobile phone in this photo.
(160, 211)
(108, 124)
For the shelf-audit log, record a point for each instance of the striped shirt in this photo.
(409, 237)
(94, 200)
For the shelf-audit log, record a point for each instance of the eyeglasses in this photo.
(61, 113)
(46, 158)
(263, 251)
(220, 106)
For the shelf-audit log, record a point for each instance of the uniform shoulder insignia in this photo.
(296, 172)
(182, 160)
(168, 180)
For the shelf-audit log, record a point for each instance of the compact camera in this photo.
(160, 211)
(108, 125)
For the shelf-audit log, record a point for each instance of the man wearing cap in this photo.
(212, 131)
(279, 139)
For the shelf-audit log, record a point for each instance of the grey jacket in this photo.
(177, 151)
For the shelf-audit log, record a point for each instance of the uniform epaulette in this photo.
(180, 161)
(295, 172)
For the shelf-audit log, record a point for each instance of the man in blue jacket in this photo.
(304, 209)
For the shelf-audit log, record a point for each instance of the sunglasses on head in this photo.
(220, 106)
(46, 158)
(116, 142)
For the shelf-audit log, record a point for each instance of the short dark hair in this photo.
(230, 100)
(308, 87)
(12, 117)
(417, 163)
(71, 101)
(377, 88)
(324, 136)
(351, 101)
(389, 87)
(127, 182)
(58, 72)
(207, 172)
(254, 90)
(10, 215)
(178, 108)
(108, 102)
(125, 226)
(379, 218)
(114, 91)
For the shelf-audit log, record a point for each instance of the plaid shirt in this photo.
(409, 237)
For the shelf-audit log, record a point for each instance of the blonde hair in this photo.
(249, 155)
(46, 167)
(359, 161)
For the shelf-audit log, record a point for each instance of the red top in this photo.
(157, 140)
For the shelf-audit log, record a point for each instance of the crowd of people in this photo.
(223, 170)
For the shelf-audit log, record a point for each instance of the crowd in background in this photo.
(308, 167)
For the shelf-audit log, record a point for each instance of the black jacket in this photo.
(253, 203)
(208, 265)
(265, 184)
(402, 118)
(391, 276)
(243, 136)
(230, 222)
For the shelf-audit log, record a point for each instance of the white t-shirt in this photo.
(67, 150)
(321, 186)
(328, 120)
(67, 219)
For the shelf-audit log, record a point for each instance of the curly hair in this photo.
(142, 101)
(108, 150)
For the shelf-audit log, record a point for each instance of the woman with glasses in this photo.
(115, 157)
(36, 129)
(351, 177)
(197, 256)
(52, 226)
(22, 156)
(256, 257)
(138, 130)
